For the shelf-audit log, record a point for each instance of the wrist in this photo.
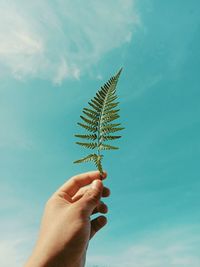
(35, 261)
(41, 259)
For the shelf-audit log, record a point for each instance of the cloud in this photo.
(16, 224)
(169, 248)
(17, 241)
(11, 252)
(61, 40)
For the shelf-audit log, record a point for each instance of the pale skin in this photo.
(66, 226)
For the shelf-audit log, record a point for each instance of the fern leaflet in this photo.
(97, 120)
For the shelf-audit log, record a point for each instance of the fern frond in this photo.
(87, 145)
(87, 136)
(96, 103)
(109, 137)
(95, 113)
(93, 123)
(89, 128)
(98, 164)
(109, 126)
(109, 118)
(112, 130)
(90, 115)
(99, 100)
(98, 118)
(112, 111)
(111, 98)
(101, 94)
(95, 107)
(91, 157)
(107, 147)
(111, 105)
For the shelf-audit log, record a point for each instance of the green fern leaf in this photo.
(109, 137)
(107, 147)
(89, 128)
(93, 123)
(91, 157)
(112, 130)
(87, 145)
(98, 164)
(90, 115)
(97, 118)
(112, 98)
(96, 103)
(95, 113)
(110, 126)
(109, 112)
(109, 118)
(111, 105)
(99, 100)
(95, 107)
(87, 136)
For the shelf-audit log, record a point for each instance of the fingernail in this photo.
(103, 175)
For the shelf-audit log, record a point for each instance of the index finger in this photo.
(72, 186)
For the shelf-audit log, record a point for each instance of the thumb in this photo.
(91, 197)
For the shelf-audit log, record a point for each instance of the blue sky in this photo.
(54, 55)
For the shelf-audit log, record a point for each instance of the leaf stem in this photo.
(99, 126)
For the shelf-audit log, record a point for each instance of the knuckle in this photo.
(47, 205)
(50, 202)
(92, 196)
(81, 212)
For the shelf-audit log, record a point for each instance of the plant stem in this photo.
(99, 126)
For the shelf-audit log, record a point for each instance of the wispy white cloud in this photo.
(169, 248)
(61, 40)
(18, 226)
(13, 252)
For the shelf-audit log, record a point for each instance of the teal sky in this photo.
(54, 55)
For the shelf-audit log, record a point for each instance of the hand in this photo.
(66, 226)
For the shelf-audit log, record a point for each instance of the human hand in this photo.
(66, 226)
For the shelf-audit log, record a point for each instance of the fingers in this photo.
(97, 224)
(89, 201)
(72, 186)
(106, 192)
(82, 191)
(101, 207)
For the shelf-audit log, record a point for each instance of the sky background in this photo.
(54, 55)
